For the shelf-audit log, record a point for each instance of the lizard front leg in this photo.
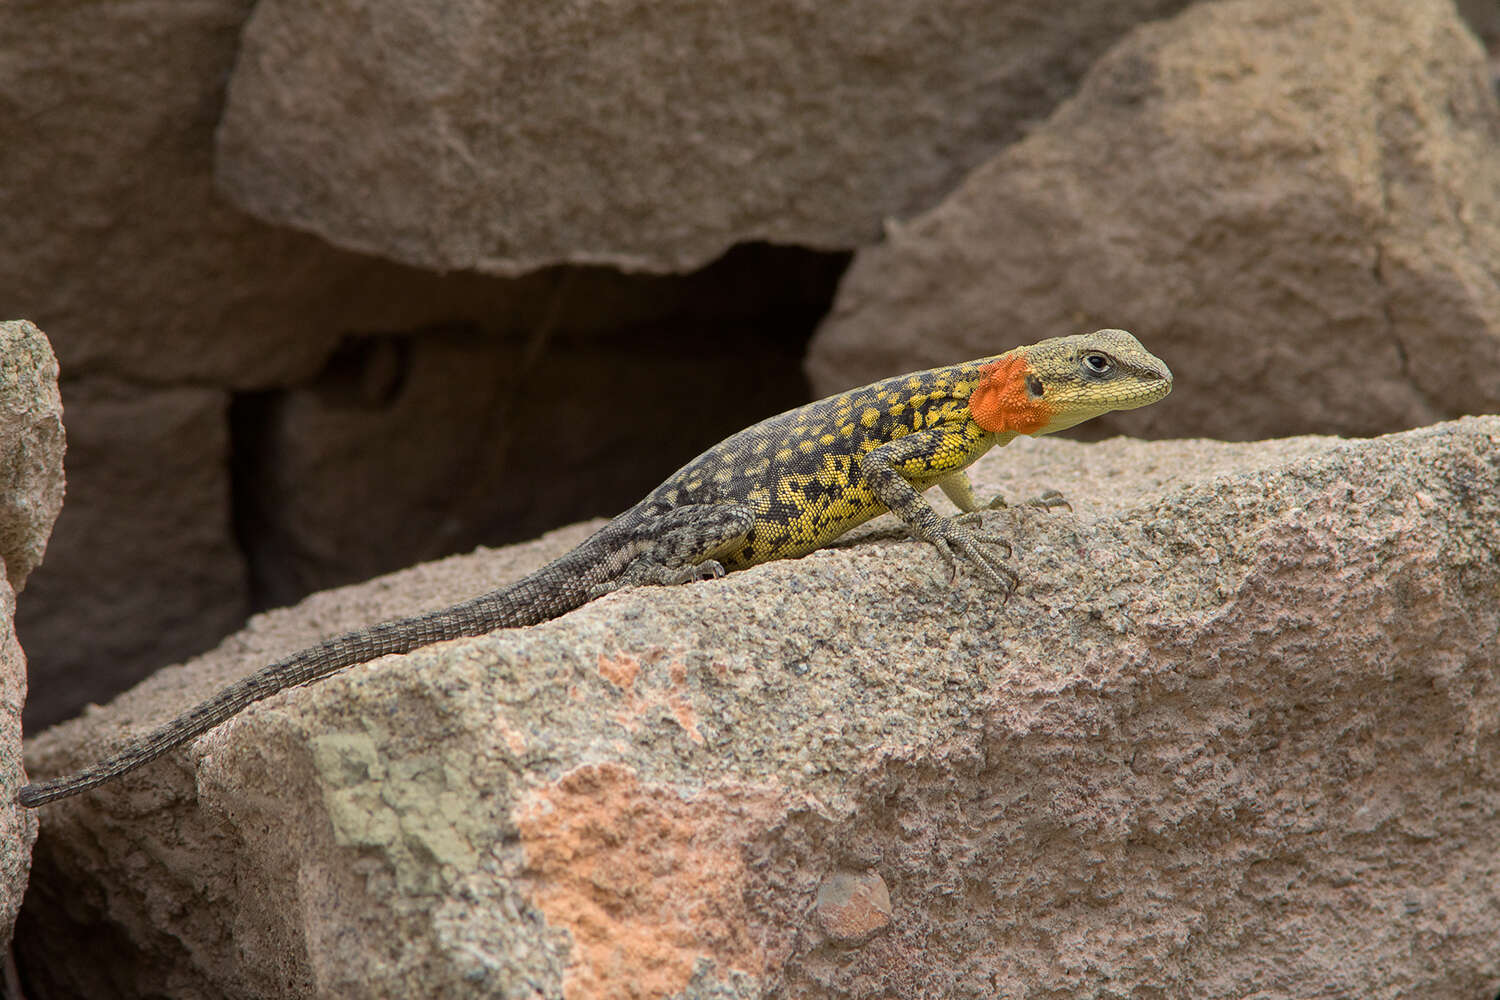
(890, 470)
(957, 487)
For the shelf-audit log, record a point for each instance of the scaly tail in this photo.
(557, 588)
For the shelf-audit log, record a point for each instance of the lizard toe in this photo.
(1049, 500)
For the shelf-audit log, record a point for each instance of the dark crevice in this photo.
(496, 426)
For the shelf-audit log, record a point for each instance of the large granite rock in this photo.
(645, 134)
(31, 492)
(31, 448)
(1234, 736)
(1296, 203)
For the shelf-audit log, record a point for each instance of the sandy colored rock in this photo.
(644, 134)
(127, 587)
(1232, 737)
(31, 491)
(31, 448)
(853, 907)
(115, 241)
(119, 245)
(1295, 204)
(18, 826)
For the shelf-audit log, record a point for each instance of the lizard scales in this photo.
(778, 489)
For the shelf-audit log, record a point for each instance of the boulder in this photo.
(1296, 205)
(116, 242)
(31, 448)
(1234, 735)
(642, 134)
(31, 492)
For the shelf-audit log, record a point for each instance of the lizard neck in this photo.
(1003, 404)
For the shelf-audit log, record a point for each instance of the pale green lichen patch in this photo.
(412, 810)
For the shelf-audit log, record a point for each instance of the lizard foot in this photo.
(648, 574)
(1049, 500)
(708, 569)
(954, 540)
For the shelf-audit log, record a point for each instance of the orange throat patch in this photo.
(1001, 404)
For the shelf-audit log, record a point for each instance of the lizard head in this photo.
(1055, 384)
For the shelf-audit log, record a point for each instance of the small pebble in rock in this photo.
(851, 907)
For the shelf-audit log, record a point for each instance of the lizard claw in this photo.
(708, 569)
(974, 519)
(1048, 501)
(954, 540)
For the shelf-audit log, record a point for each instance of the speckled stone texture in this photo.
(1233, 737)
(31, 448)
(1296, 202)
(650, 134)
(31, 492)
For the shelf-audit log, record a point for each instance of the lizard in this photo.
(776, 490)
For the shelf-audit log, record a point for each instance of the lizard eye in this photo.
(1096, 363)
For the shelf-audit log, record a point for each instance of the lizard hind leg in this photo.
(681, 546)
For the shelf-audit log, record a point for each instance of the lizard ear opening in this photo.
(1009, 398)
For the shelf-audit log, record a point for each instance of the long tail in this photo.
(555, 589)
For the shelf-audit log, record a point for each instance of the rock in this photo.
(31, 448)
(646, 135)
(147, 536)
(155, 291)
(1296, 205)
(116, 242)
(18, 826)
(1232, 737)
(31, 492)
(853, 907)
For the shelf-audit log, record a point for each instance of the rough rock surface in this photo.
(31, 448)
(1291, 202)
(18, 826)
(646, 134)
(1233, 737)
(31, 491)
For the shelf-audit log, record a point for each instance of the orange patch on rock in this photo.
(621, 671)
(682, 709)
(686, 716)
(514, 741)
(647, 881)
